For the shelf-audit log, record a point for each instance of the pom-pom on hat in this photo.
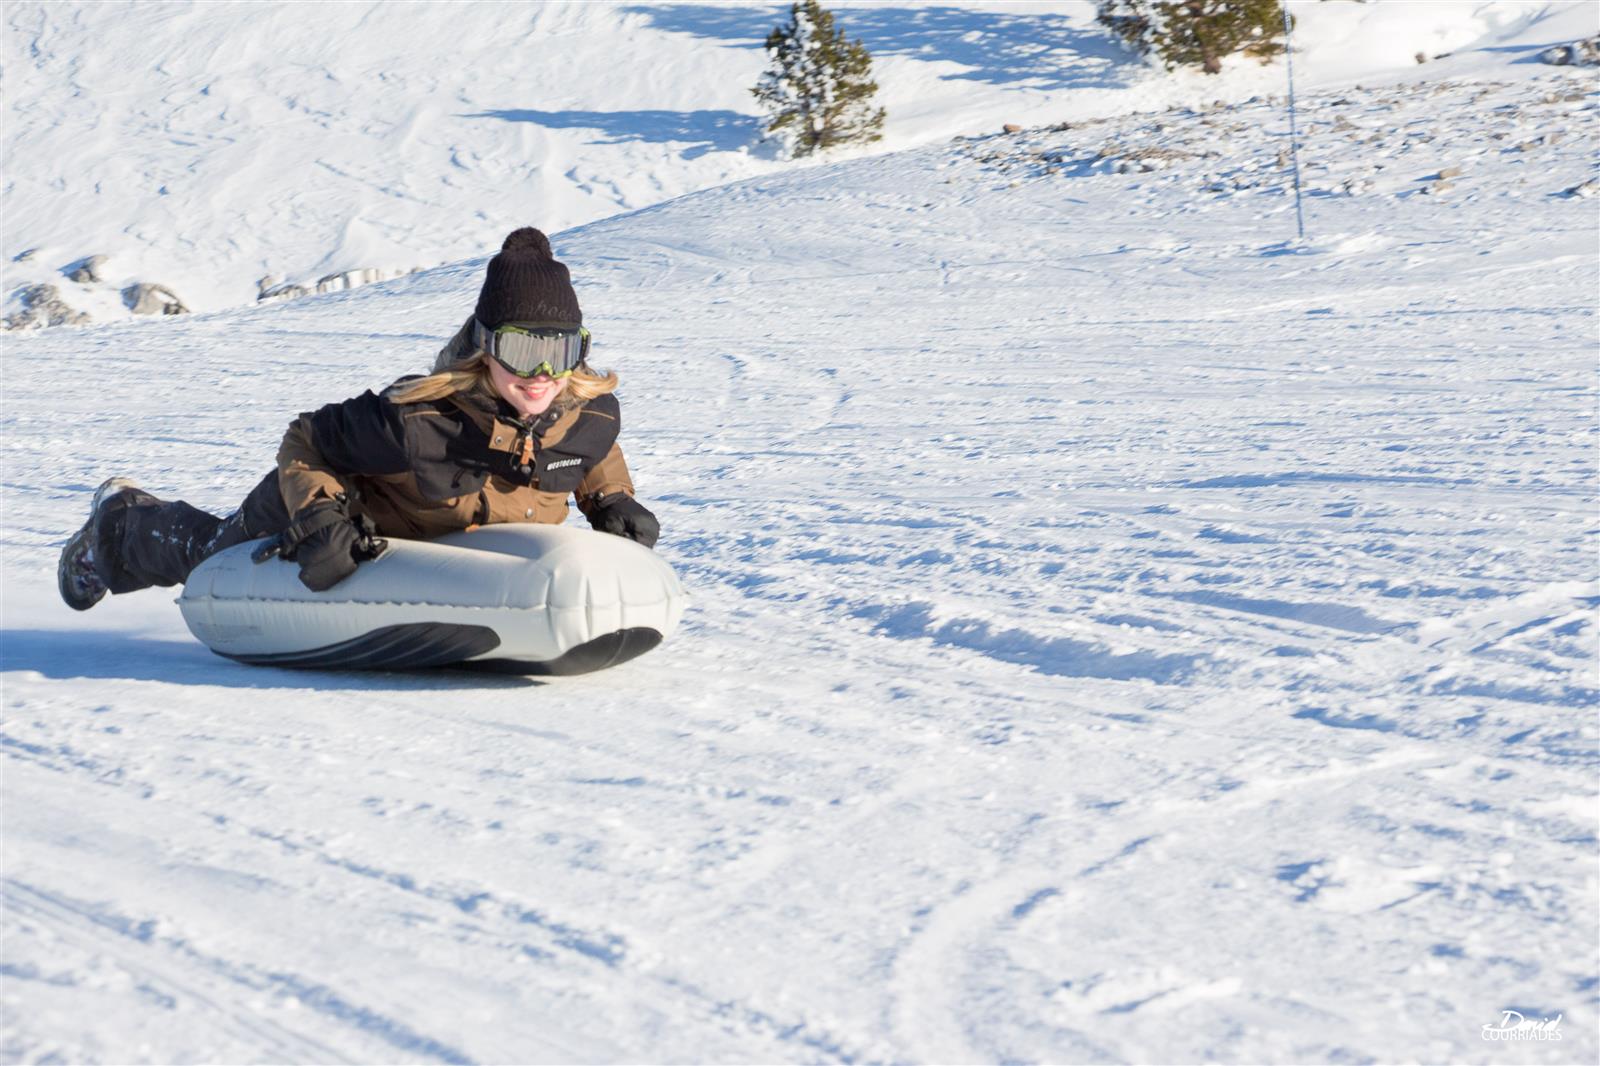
(525, 284)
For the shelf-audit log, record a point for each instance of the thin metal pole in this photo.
(1294, 132)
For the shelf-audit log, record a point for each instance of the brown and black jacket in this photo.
(424, 469)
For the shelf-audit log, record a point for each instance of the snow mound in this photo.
(226, 150)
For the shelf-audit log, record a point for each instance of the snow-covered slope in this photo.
(206, 146)
(1121, 633)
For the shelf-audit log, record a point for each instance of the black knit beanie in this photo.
(526, 284)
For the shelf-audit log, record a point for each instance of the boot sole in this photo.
(63, 579)
(108, 488)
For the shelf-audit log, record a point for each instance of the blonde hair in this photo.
(472, 375)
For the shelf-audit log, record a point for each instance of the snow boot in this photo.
(81, 584)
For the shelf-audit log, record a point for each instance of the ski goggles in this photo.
(528, 351)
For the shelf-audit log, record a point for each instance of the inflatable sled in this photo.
(531, 599)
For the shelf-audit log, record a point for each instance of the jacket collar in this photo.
(505, 430)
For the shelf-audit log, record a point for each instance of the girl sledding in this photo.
(512, 423)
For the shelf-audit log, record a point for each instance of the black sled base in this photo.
(424, 645)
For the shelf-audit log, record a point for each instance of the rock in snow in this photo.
(87, 271)
(42, 306)
(145, 298)
(270, 290)
(1584, 53)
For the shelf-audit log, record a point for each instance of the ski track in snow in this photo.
(1118, 635)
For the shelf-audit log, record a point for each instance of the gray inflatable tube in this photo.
(532, 599)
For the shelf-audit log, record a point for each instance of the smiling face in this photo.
(527, 396)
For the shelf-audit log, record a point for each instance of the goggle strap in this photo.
(483, 338)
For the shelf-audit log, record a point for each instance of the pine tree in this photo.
(818, 89)
(1190, 32)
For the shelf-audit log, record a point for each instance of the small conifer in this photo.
(1196, 32)
(818, 87)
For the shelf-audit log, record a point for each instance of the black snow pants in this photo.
(143, 541)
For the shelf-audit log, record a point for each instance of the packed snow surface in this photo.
(1120, 632)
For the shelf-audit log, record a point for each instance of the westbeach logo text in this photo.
(1513, 1026)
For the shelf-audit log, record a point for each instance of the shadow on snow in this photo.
(109, 655)
(722, 131)
(1044, 50)
(1055, 656)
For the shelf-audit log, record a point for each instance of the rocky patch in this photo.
(42, 306)
(1366, 142)
(1583, 53)
(269, 289)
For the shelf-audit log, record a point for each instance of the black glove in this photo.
(327, 541)
(625, 516)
